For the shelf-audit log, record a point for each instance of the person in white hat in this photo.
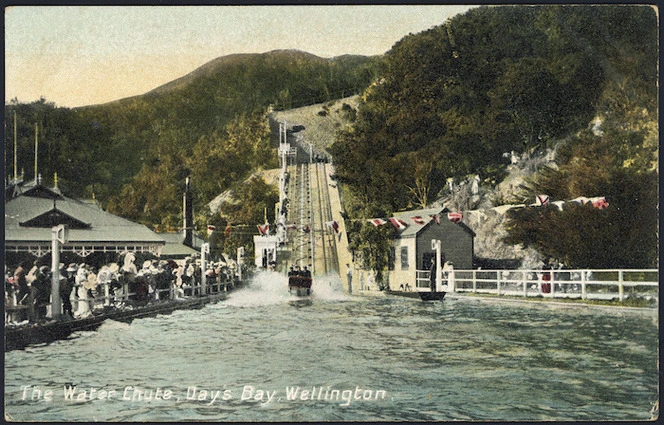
(129, 272)
(179, 274)
(448, 270)
(82, 307)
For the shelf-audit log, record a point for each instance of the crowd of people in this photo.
(28, 286)
(84, 288)
(297, 271)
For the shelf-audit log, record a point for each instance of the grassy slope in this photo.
(319, 130)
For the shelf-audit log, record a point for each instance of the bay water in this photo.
(262, 355)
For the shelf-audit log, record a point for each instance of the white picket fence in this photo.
(604, 284)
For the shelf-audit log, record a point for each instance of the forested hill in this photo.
(454, 99)
(133, 154)
(445, 103)
(276, 71)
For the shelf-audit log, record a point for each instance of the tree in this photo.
(623, 235)
(253, 200)
(461, 94)
(372, 246)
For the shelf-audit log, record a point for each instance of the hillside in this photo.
(445, 104)
(133, 154)
(271, 177)
(316, 124)
(519, 81)
(480, 212)
(321, 121)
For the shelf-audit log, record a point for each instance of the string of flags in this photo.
(377, 221)
(418, 219)
(399, 224)
(456, 217)
(598, 202)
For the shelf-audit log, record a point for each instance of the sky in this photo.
(85, 55)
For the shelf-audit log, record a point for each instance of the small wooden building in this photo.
(412, 251)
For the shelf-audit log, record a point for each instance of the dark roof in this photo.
(175, 248)
(55, 217)
(100, 226)
(30, 188)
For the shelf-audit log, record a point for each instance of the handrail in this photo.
(562, 283)
(119, 298)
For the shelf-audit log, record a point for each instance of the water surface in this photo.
(360, 359)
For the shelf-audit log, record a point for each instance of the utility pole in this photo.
(15, 151)
(205, 249)
(59, 235)
(437, 245)
(240, 253)
(36, 149)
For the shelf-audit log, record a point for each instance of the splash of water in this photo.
(329, 288)
(114, 324)
(268, 287)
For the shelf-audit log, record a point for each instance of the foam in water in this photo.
(329, 288)
(268, 287)
(114, 324)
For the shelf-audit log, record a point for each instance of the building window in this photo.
(391, 258)
(404, 258)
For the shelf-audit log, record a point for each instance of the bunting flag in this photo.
(455, 217)
(307, 229)
(398, 224)
(599, 203)
(436, 217)
(292, 226)
(417, 219)
(334, 225)
(210, 229)
(263, 230)
(542, 200)
(580, 200)
(559, 204)
(227, 231)
(377, 221)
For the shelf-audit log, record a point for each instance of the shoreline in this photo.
(552, 304)
(546, 303)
